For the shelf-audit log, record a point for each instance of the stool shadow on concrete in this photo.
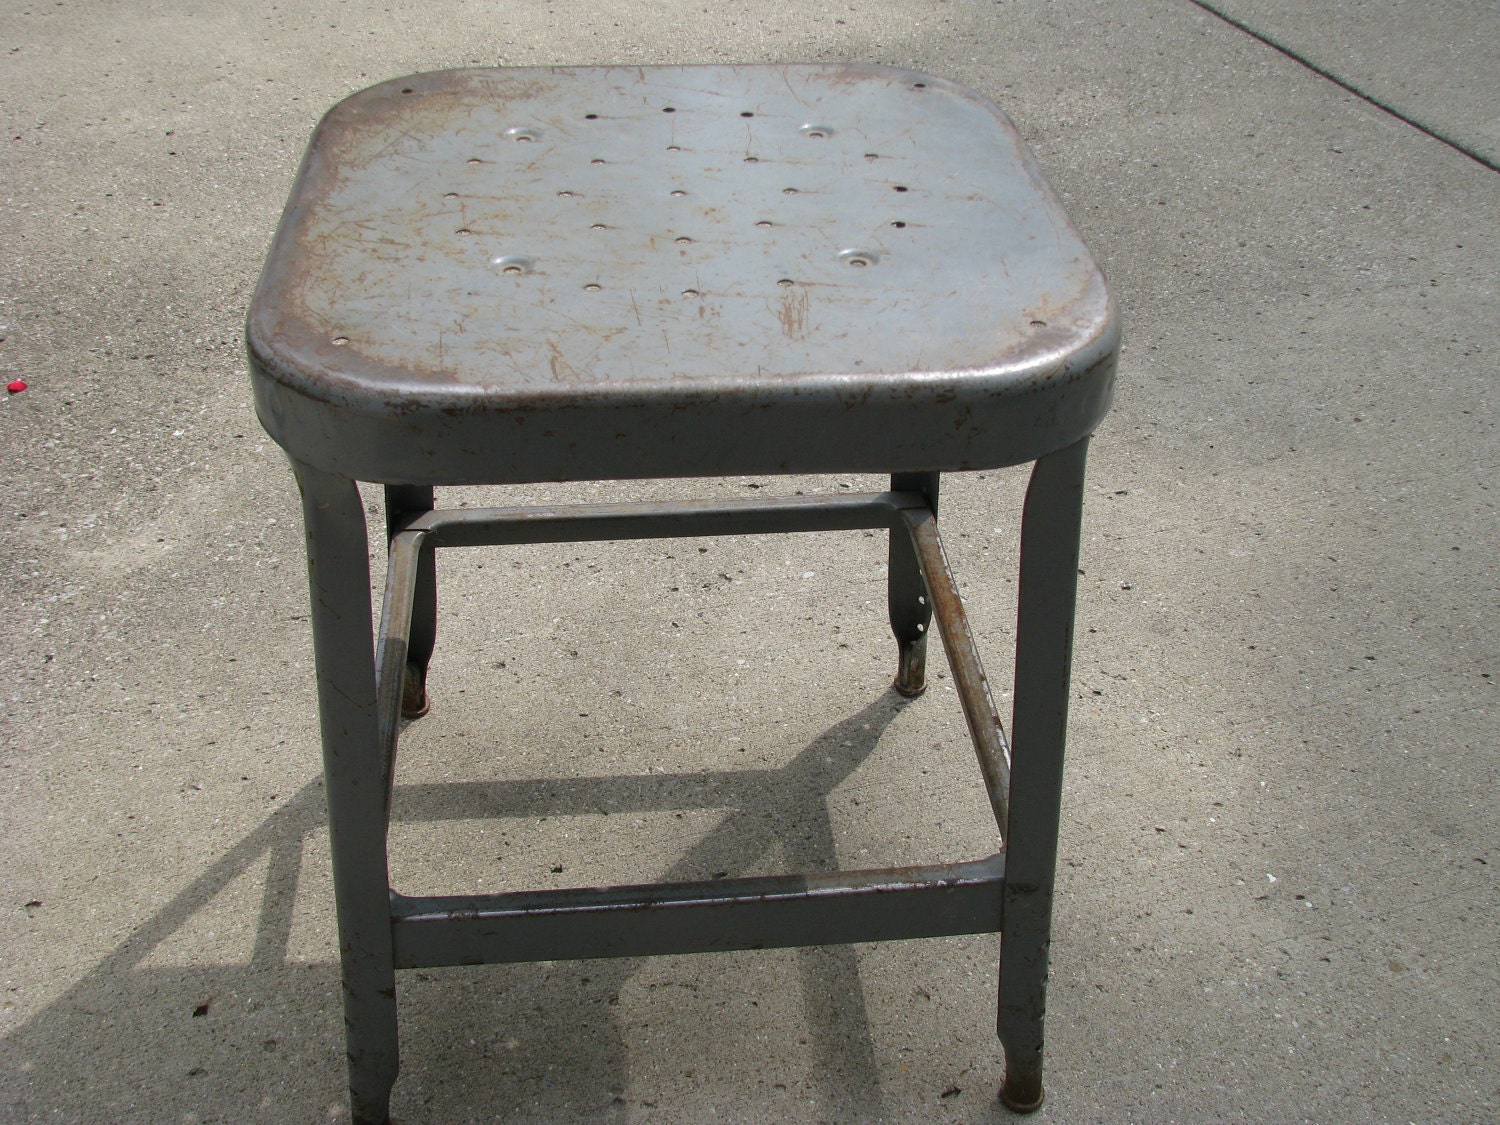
(137, 1040)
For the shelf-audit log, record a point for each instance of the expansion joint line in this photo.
(1302, 60)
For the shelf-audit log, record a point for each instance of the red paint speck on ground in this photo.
(15, 386)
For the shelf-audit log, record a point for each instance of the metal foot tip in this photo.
(911, 670)
(909, 688)
(1022, 1097)
(414, 699)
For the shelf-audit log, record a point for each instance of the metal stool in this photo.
(506, 276)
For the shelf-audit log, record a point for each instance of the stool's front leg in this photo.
(1044, 651)
(339, 576)
(402, 500)
(906, 593)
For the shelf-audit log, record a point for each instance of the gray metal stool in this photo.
(505, 276)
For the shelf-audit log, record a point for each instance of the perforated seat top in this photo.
(500, 275)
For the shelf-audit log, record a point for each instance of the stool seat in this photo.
(496, 276)
(510, 276)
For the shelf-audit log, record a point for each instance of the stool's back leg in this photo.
(906, 593)
(339, 576)
(403, 500)
(1044, 650)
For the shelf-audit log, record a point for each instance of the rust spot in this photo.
(792, 312)
(562, 371)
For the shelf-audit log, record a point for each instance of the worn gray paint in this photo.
(475, 280)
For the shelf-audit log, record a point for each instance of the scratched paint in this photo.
(413, 199)
(565, 246)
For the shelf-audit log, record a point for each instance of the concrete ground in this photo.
(1278, 897)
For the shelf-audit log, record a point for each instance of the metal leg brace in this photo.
(364, 691)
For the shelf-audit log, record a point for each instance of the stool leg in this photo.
(404, 500)
(339, 576)
(906, 593)
(1044, 648)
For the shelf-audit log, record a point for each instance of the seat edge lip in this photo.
(372, 388)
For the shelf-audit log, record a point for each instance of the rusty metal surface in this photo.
(557, 273)
(650, 919)
(973, 687)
